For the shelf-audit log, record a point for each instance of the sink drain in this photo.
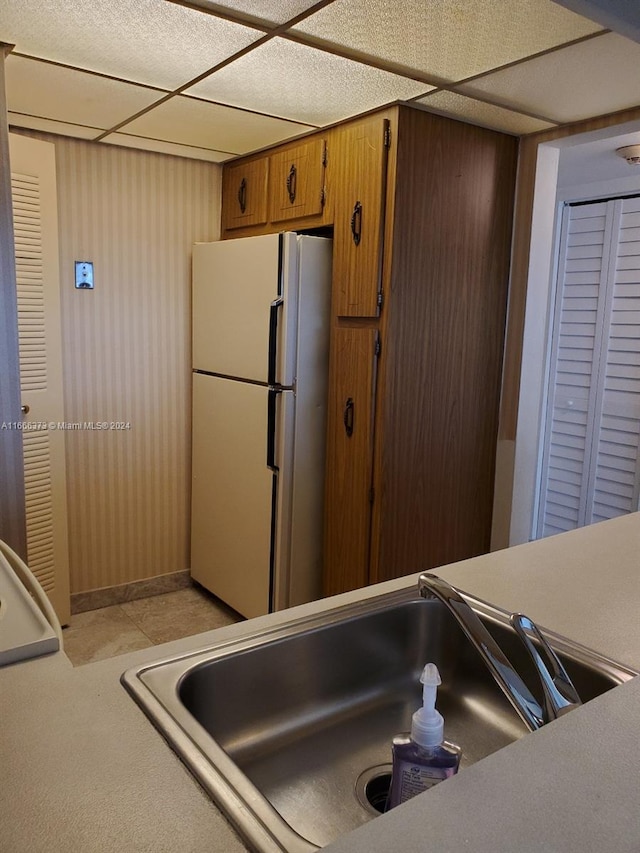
(372, 788)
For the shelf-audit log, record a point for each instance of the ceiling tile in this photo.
(149, 41)
(192, 122)
(51, 91)
(297, 82)
(128, 141)
(47, 125)
(274, 11)
(593, 78)
(477, 112)
(448, 39)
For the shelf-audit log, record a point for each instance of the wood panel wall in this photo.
(451, 239)
(127, 354)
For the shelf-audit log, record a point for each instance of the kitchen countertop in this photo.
(82, 769)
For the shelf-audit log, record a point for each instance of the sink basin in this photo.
(289, 729)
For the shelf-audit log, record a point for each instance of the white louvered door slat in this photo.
(577, 309)
(35, 235)
(616, 478)
(590, 498)
(590, 468)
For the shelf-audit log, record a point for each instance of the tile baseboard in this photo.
(94, 599)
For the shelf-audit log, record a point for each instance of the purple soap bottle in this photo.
(422, 758)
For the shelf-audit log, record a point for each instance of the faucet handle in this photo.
(514, 688)
(560, 694)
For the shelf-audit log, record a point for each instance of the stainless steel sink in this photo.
(289, 729)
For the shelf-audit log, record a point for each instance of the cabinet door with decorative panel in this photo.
(359, 154)
(349, 494)
(296, 181)
(244, 194)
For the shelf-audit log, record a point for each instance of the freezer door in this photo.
(233, 493)
(245, 307)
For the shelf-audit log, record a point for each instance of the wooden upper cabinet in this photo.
(244, 194)
(296, 181)
(359, 155)
(350, 419)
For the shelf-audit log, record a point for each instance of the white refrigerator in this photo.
(260, 362)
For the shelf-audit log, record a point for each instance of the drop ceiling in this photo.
(214, 80)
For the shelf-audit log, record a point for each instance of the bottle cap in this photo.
(427, 725)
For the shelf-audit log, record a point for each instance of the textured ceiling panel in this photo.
(449, 39)
(50, 91)
(589, 79)
(477, 112)
(160, 147)
(299, 83)
(274, 11)
(47, 125)
(166, 43)
(146, 41)
(203, 125)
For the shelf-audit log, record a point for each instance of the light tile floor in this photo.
(99, 634)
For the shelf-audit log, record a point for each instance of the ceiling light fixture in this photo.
(631, 154)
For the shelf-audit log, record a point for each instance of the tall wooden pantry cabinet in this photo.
(420, 207)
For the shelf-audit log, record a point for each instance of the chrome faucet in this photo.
(560, 694)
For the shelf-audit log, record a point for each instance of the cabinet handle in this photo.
(292, 181)
(356, 222)
(242, 195)
(348, 417)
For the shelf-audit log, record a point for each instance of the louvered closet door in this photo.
(36, 245)
(614, 486)
(590, 466)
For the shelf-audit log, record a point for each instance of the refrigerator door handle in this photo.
(273, 340)
(271, 428)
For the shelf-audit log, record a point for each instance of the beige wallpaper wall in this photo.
(126, 354)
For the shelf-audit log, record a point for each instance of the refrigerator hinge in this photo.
(324, 152)
(387, 133)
